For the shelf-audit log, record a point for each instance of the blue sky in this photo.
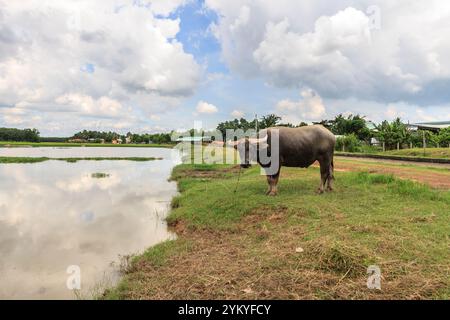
(228, 90)
(161, 65)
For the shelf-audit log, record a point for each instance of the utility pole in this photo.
(256, 123)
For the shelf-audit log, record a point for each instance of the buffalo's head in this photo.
(248, 149)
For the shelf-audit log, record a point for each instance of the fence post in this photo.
(424, 142)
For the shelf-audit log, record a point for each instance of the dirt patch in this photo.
(432, 178)
(206, 173)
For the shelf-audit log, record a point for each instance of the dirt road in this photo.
(433, 174)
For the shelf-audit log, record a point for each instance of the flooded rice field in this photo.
(67, 225)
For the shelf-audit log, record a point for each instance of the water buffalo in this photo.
(298, 147)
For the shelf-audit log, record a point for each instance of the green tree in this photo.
(235, 124)
(17, 135)
(268, 121)
(393, 134)
(348, 143)
(352, 124)
(444, 137)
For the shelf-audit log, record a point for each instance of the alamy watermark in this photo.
(374, 279)
(73, 281)
(374, 14)
(216, 147)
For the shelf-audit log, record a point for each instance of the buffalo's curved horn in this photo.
(259, 141)
(218, 143)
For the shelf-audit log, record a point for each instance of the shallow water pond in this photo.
(58, 217)
(88, 152)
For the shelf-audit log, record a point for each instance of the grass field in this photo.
(299, 245)
(93, 145)
(9, 160)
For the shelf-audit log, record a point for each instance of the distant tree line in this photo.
(19, 135)
(53, 139)
(97, 136)
(355, 132)
(396, 134)
(158, 138)
(271, 120)
(108, 137)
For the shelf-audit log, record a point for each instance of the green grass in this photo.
(443, 153)
(213, 203)
(400, 225)
(9, 160)
(410, 166)
(6, 160)
(159, 254)
(430, 153)
(94, 145)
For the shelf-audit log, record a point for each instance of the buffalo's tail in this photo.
(331, 172)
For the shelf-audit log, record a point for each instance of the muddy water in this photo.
(79, 217)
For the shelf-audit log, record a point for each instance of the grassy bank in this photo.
(244, 245)
(416, 153)
(71, 145)
(6, 160)
(443, 153)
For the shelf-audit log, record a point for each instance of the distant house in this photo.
(78, 140)
(117, 141)
(128, 140)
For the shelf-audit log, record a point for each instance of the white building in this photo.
(432, 126)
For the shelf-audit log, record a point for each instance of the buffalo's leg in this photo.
(273, 182)
(330, 177)
(325, 167)
(269, 182)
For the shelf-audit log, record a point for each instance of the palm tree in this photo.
(268, 121)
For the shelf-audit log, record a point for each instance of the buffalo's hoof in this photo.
(319, 191)
(272, 194)
(330, 189)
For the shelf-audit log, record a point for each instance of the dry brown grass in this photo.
(259, 261)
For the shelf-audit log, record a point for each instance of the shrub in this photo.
(349, 143)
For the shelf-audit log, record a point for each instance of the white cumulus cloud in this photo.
(333, 47)
(205, 107)
(92, 58)
(309, 108)
(237, 114)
